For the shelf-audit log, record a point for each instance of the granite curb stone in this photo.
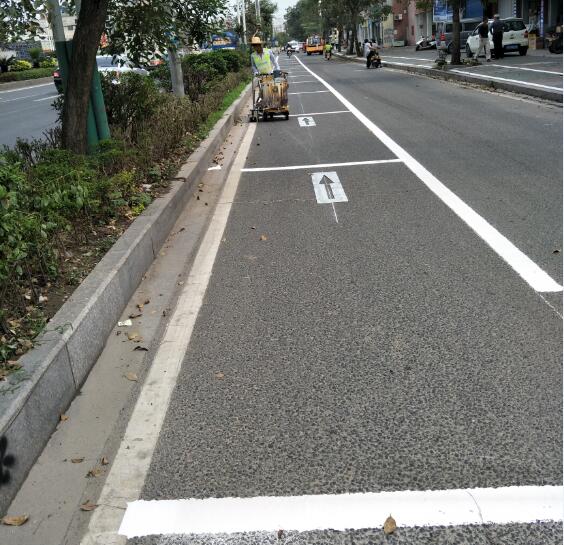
(33, 399)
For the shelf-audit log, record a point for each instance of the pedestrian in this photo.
(484, 34)
(497, 35)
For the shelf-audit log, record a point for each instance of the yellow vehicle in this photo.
(314, 44)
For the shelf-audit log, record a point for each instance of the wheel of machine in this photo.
(468, 52)
(287, 116)
(265, 116)
(417, 48)
(523, 51)
(309, 52)
(271, 116)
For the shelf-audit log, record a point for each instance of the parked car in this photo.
(515, 37)
(106, 65)
(467, 26)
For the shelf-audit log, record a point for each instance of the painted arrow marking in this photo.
(328, 188)
(306, 121)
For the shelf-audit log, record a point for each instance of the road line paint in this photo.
(321, 113)
(216, 167)
(46, 98)
(26, 88)
(528, 69)
(127, 475)
(411, 58)
(328, 188)
(496, 78)
(306, 121)
(514, 504)
(529, 271)
(308, 92)
(335, 212)
(322, 165)
(2, 101)
(307, 81)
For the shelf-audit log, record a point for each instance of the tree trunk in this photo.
(86, 41)
(455, 56)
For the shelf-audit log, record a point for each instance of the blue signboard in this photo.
(226, 40)
(442, 11)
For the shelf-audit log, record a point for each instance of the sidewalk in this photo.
(542, 78)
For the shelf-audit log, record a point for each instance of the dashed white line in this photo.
(308, 92)
(26, 88)
(322, 113)
(496, 78)
(51, 97)
(506, 505)
(529, 271)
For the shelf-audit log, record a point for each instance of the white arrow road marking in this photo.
(306, 121)
(328, 188)
(410, 508)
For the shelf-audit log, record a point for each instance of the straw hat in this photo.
(255, 40)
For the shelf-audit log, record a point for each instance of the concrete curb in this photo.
(14, 85)
(33, 400)
(448, 75)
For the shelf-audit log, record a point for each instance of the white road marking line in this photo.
(322, 165)
(410, 58)
(335, 212)
(507, 505)
(45, 98)
(392, 63)
(528, 69)
(2, 101)
(322, 113)
(328, 188)
(216, 167)
(126, 478)
(496, 78)
(307, 81)
(308, 92)
(306, 121)
(26, 88)
(529, 271)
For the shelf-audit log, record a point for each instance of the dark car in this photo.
(466, 28)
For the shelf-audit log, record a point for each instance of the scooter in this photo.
(426, 43)
(289, 52)
(375, 60)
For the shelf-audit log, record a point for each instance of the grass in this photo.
(33, 73)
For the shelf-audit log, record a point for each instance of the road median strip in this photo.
(55, 370)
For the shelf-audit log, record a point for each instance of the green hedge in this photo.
(34, 73)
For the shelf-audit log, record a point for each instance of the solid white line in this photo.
(306, 81)
(322, 113)
(308, 92)
(514, 504)
(321, 165)
(126, 478)
(529, 271)
(17, 98)
(26, 88)
(525, 83)
(528, 69)
(216, 167)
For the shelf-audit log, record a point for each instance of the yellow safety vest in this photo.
(262, 62)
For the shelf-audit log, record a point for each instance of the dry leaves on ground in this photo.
(131, 376)
(263, 237)
(87, 506)
(64, 418)
(94, 472)
(390, 525)
(104, 461)
(219, 375)
(77, 460)
(17, 520)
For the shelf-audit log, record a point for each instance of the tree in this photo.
(141, 29)
(264, 26)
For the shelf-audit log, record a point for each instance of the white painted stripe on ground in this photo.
(322, 165)
(322, 113)
(527, 69)
(216, 167)
(131, 464)
(515, 504)
(306, 81)
(26, 88)
(308, 92)
(529, 271)
(51, 97)
(496, 78)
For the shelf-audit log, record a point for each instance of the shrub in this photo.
(234, 59)
(20, 65)
(34, 73)
(35, 53)
(48, 62)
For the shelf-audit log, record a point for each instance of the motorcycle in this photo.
(425, 42)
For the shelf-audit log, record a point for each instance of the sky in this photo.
(282, 5)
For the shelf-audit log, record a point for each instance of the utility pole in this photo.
(244, 22)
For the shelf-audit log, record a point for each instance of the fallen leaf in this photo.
(219, 375)
(263, 237)
(104, 461)
(144, 349)
(131, 376)
(136, 315)
(94, 472)
(280, 534)
(140, 306)
(125, 323)
(390, 525)
(77, 460)
(64, 418)
(147, 301)
(42, 299)
(87, 506)
(17, 520)
(133, 336)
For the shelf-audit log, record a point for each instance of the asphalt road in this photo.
(26, 113)
(377, 343)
